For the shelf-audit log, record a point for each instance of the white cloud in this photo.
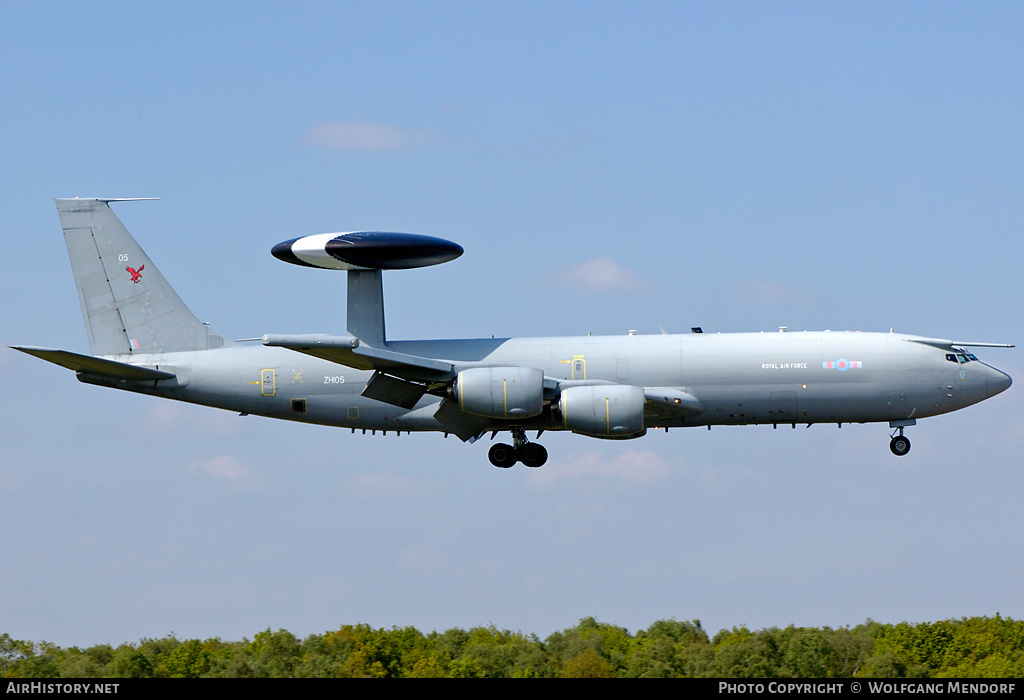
(600, 274)
(366, 136)
(636, 466)
(224, 467)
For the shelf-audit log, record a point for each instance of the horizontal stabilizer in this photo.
(95, 365)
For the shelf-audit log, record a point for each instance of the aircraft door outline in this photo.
(579, 367)
(268, 382)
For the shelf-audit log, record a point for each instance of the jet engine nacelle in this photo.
(500, 392)
(603, 411)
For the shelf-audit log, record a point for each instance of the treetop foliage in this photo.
(977, 647)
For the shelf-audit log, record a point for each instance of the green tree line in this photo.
(977, 647)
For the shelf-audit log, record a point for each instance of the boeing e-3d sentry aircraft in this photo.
(143, 338)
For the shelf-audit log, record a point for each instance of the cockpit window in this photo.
(961, 357)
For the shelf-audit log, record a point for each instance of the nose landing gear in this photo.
(521, 450)
(899, 444)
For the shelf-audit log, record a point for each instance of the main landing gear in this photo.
(521, 450)
(899, 444)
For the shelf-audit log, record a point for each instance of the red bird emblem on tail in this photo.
(136, 274)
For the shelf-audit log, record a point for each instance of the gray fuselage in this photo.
(738, 378)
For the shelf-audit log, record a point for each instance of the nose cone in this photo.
(998, 382)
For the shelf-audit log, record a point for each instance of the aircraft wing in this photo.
(399, 379)
(87, 364)
(349, 352)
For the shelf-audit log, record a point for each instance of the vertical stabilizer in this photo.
(127, 304)
(366, 306)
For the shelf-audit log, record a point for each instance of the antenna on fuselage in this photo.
(364, 255)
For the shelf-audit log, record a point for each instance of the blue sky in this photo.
(606, 167)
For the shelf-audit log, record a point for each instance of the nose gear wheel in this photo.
(899, 445)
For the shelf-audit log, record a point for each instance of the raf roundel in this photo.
(367, 250)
